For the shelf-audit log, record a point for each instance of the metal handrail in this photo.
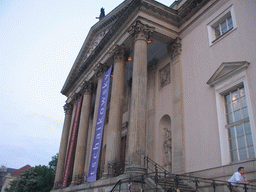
(177, 178)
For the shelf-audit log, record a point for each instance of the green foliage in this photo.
(53, 162)
(36, 179)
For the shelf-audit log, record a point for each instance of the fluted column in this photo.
(63, 143)
(137, 124)
(99, 73)
(116, 109)
(82, 132)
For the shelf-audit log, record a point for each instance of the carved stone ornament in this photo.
(118, 52)
(86, 87)
(167, 144)
(100, 69)
(141, 31)
(165, 75)
(68, 107)
(174, 48)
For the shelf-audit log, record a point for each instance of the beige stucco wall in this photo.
(199, 62)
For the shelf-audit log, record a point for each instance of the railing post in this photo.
(196, 183)
(165, 179)
(120, 185)
(147, 164)
(156, 177)
(176, 179)
(245, 188)
(229, 186)
(214, 185)
(142, 182)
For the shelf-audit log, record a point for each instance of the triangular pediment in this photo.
(225, 70)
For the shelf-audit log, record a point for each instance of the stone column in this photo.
(116, 109)
(137, 124)
(99, 71)
(63, 143)
(78, 169)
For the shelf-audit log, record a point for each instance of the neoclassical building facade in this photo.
(181, 92)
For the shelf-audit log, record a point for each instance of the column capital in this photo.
(68, 108)
(141, 31)
(174, 48)
(86, 87)
(119, 53)
(100, 69)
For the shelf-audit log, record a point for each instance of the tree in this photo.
(53, 162)
(38, 178)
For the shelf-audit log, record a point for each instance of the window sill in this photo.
(222, 36)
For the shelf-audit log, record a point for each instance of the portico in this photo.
(126, 132)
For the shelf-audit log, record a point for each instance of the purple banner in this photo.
(99, 127)
(71, 143)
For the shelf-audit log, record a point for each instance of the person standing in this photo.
(238, 178)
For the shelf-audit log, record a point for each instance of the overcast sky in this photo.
(39, 42)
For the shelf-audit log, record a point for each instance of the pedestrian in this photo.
(236, 179)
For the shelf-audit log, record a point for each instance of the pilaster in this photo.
(178, 158)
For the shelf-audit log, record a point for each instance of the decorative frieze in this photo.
(174, 48)
(165, 75)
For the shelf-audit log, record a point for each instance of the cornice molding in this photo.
(167, 14)
(188, 9)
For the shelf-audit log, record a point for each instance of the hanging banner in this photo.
(99, 127)
(71, 143)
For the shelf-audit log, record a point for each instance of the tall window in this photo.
(238, 125)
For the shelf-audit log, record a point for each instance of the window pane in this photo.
(249, 140)
(241, 142)
(230, 118)
(228, 108)
(232, 144)
(247, 128)
(227, 98)
(243, 102)
(230, 23)
(231, 132)
(234, 157)
(242, 92)
(217, 32)
(251, 152)
(235, 95)
(238, 115)
(236, 105)
(224, 27)
(245, 112)
(243, 154)
(239, 130)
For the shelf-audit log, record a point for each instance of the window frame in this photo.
(221, 88)
(219, 20)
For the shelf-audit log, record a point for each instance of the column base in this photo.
(135, 170)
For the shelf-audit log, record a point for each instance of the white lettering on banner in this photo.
(99, 127)
(100, 120)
